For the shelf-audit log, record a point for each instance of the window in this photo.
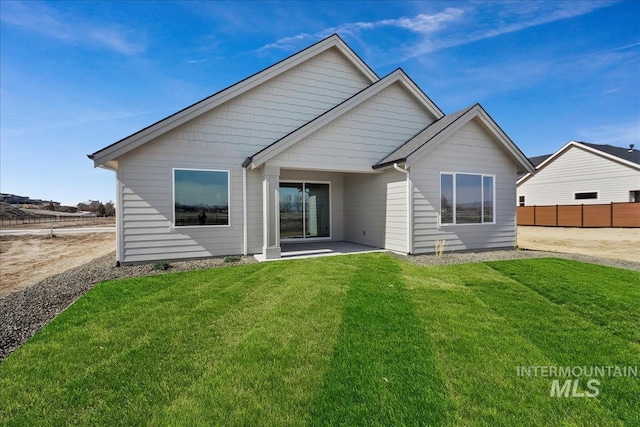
(634, 196)
(588, 195)
(521, 200)
(466, 198)
(304, 210)
(201, 197)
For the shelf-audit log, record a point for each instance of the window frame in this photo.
(575, 193)
(524, 200)
(482, 176)
(173, 193)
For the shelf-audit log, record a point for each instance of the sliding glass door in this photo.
(304, 210)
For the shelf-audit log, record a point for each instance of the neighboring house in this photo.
(314, 148)
(582, 173)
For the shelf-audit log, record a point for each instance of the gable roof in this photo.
(139, 138)
(537, 160)
(434, 134)
(630, 154)
(626, 156)
(397, 76)
(400, 154)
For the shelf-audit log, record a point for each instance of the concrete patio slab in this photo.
(317, 249)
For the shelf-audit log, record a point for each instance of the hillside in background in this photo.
(9, 211)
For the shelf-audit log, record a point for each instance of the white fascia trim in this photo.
(353, 57)
(225, 95)
(523, 179)
(606, 155)
(505, 140)
(547, 161)
(576, 144)
(398, 76)
(441, 136)
(476, 111)
(420, 95)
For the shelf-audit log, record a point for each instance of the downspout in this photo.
(119, 215)
(244, 211)
(406, 172)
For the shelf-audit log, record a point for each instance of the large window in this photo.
(201, 197)
(304, 210)
(466, 198)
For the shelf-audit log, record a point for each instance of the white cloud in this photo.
(46, 21)
(496, 19)
(425, 24)
(419, 24)
(456, 26)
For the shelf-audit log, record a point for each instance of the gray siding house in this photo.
(582, 173)
(314, 148)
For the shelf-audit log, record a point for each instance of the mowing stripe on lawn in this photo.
(478, 350)
(383, 370)
(566, 338)
(606, 296)
(274, 350)
(354, 340)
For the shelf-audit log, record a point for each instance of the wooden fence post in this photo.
(611, 216)
(582, 215)
(534, 215)
(556, 215)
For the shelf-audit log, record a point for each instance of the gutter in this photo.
(406, 172)
(387, 164)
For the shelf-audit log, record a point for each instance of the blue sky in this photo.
(77, 76)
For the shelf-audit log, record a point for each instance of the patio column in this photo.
(271, 209)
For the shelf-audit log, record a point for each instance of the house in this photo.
(315, 148)
(582, 173)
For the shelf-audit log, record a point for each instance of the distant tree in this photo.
(445, 204)
(102, 210)
(109, 209)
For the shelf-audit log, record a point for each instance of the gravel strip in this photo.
(503, 255)
(25, 312)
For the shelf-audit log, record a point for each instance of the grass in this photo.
(352, 340)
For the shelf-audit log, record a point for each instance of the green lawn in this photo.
(349, 340)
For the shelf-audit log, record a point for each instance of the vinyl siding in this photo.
(471, 150)
(375, 209)
(362, 136)
(221, 139)
(578, 170)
